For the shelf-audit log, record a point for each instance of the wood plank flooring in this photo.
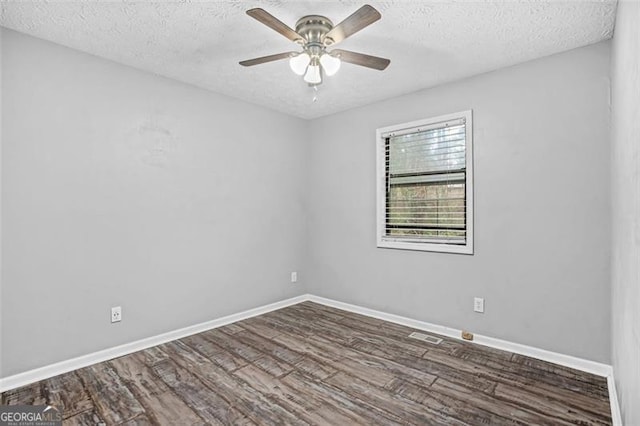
(311, 364)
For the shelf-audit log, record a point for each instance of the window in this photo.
(425, 185)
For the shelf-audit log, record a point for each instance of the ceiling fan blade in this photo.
(274, 23)
(361, 59)
(360, 19)
(265, 59)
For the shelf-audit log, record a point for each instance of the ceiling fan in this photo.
(315, 33)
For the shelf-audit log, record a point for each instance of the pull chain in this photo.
(315, 93)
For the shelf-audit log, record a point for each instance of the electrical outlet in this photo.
(116, 314)
(478, 304)
(294, 277)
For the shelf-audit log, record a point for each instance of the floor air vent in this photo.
(425, 338)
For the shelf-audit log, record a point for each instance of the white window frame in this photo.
(398, 243)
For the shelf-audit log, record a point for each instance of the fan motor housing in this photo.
(313, 28)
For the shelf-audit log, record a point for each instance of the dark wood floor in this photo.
(311, 364)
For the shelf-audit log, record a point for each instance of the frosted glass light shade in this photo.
(313, 75)
(330, 64)
(299, 63)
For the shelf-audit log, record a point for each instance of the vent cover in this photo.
(425, 338)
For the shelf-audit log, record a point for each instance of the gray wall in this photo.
(625, 190)
(541, 260)
(123, 188)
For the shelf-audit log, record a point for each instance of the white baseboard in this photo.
(45, 372)
(51, 370)
(616, 415)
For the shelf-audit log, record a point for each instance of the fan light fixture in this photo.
(315, 34)
(330, 64)
(313, 74)
(299, 63)
(313, 67)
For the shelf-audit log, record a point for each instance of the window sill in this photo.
(439, 248)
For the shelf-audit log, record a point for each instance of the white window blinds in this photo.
(425, 183)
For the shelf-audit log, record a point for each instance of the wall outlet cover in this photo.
(478, 304)
(116, 314)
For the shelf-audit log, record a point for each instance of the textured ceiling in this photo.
(428, 42)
